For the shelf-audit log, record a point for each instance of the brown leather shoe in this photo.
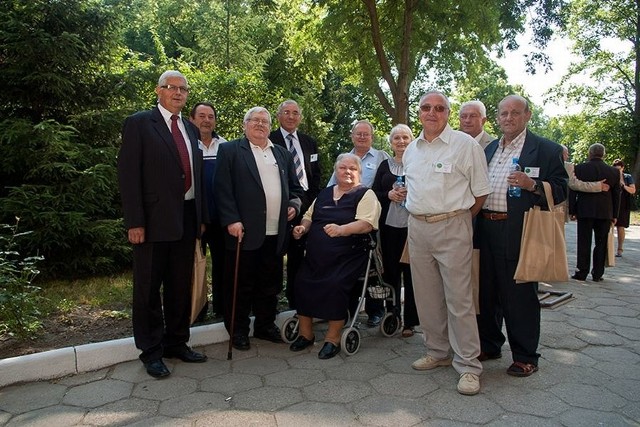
(489, 356)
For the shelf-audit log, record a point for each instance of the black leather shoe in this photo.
(598, 279)
(301, 343)
(578, 277)
(374, 321)
(241, 342)
(186, 355)
(328, 351)
(157, 368)
(270, 334)
(489, 356)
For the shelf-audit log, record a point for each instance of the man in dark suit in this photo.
(308, 172)
(596, 212)
(499, 232)
(160, 180)
(256, 193)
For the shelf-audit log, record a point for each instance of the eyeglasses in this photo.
(260, 121)
(291, 113)
(174, 88)
(437, 108)
(362, 135)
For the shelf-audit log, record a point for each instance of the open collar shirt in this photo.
(444, 175)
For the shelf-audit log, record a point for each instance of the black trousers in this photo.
(600, 229)
(499, 294)
(213, 238)
(163, 322)
(295, 255)
(392, 240)
(259, 283)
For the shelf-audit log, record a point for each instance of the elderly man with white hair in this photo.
(473, 116)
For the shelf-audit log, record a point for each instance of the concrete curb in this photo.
(90, 357)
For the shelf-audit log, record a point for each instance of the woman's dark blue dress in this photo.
(332, 265)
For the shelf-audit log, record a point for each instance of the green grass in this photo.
(111, 293)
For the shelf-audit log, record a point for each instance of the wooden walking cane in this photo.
(233, 302)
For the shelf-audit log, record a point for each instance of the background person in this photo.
(256, 193)
(306, 148)
(626, 196)
(595, 212)
(336, 253)
(204, 116)
(393, 230)
(164, 209)
(472, 117)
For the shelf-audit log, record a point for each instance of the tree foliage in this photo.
(396, 49)
(606, 41)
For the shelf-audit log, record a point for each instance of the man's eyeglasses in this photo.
(174, 88)
(362, 135)
(260, 121)
(437, 108)
(291, 113)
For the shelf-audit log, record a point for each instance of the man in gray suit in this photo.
(473, 116)
(257, 191)
(161, 184)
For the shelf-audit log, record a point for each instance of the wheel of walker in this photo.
(289, 331)
(350, 341)
(390, 325)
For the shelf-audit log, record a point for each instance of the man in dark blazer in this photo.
(256, 193)
(306, 148)
(499, 232)
(160, 180)
(596, 212)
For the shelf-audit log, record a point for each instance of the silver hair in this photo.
(288, 102)
(400, 128)
(348, 156)
(431, 92)
(596, 151)
(255, 110)
(171, 73)
(359, 122)
(476, 104)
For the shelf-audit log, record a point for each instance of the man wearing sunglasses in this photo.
(446, 178)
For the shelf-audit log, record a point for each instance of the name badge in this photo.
(532, 172)
(441, 167)
(370, 166)
(313, 158)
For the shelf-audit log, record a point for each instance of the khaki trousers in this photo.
(440, 254)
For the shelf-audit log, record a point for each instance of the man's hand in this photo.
(291, 213)
(136, 235)
(236, 230)
(605, 186)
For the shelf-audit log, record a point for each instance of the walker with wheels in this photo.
(372, 285)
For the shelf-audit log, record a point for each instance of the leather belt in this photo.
(439, 217)
(495, 216)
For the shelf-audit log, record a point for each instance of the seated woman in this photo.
(336, 253)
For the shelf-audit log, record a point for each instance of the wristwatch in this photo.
(535, 187)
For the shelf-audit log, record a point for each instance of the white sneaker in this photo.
(469, 384)
(429, 362)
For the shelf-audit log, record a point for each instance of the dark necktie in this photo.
(296, 158)
(181, 145)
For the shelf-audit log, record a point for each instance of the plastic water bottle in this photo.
(513, 190)
(400, 184)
